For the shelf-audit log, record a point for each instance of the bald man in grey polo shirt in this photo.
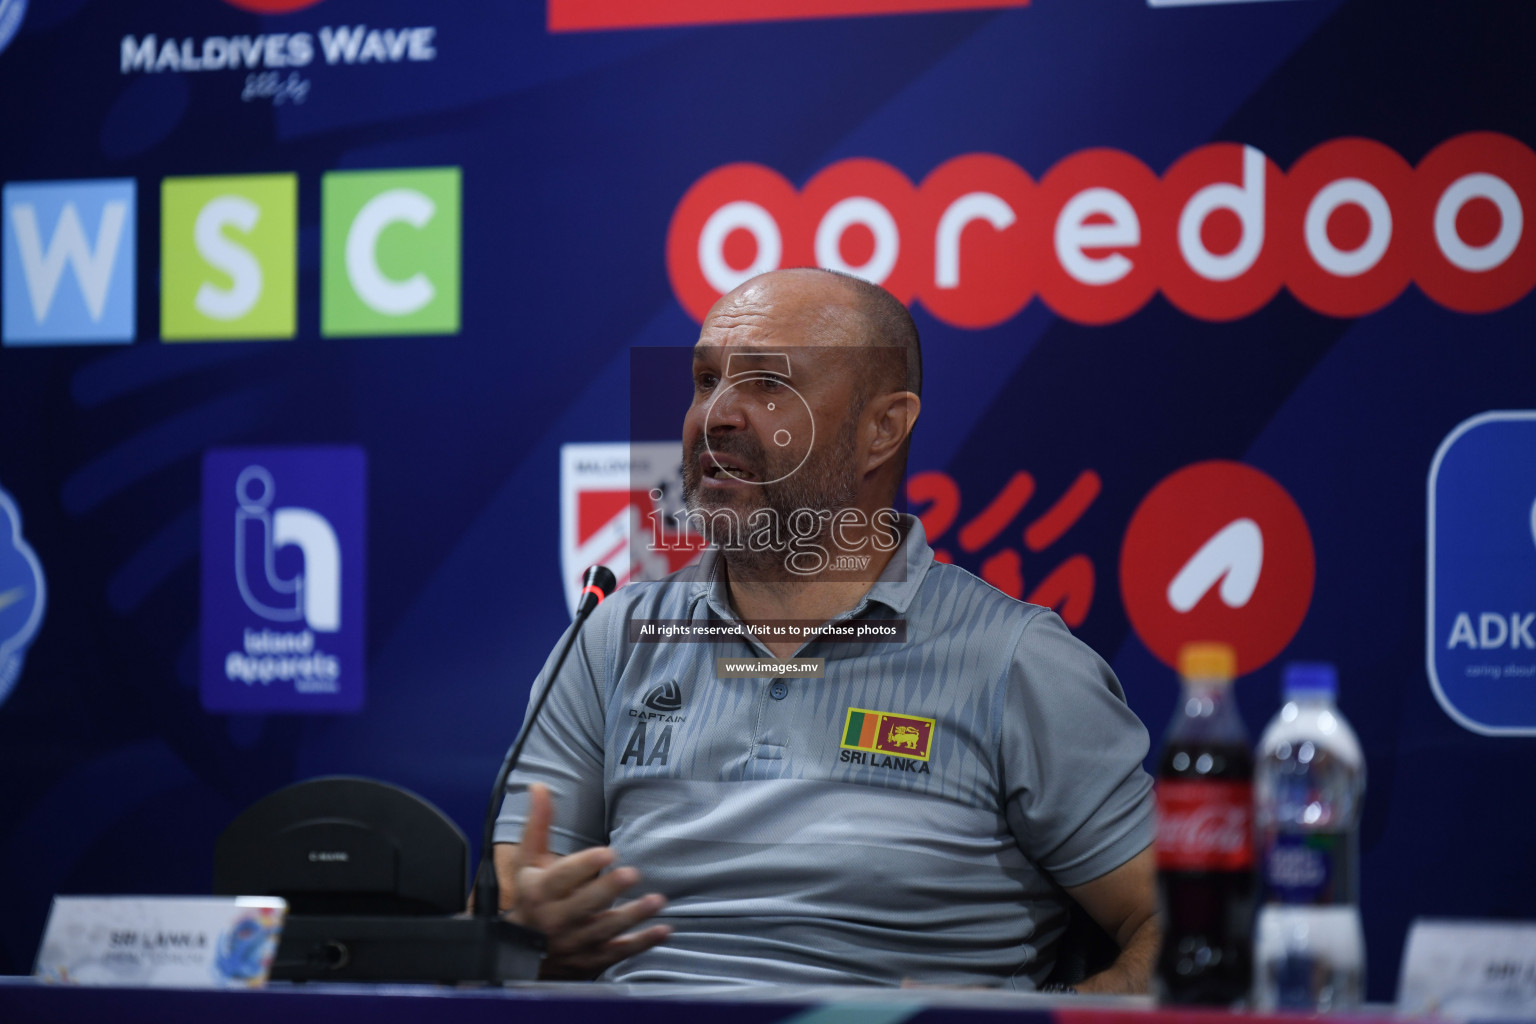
(907, 816)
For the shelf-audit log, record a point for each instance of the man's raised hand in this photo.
(570, 899)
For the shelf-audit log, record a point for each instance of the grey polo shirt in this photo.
(792, 824)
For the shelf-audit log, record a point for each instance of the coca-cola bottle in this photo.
(1205, 837)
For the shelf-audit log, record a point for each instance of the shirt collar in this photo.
(895, 587)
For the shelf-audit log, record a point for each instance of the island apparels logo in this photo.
(23, 595)
(283, 560)
(274, 62)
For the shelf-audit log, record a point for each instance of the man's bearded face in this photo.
(827, 480)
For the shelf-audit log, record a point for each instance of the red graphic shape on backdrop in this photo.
(1069, 508)
(977, 244)
(586, 15)
(1068, 588)
(980, 532)
(1217, 551)
(272, 6)
(1360, 193)
(1476, 190)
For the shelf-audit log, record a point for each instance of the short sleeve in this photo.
(1077, 799)
(565, 749)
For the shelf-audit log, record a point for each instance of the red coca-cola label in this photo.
(1204, 825)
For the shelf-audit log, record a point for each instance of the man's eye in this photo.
(771, 383)
(705, 381)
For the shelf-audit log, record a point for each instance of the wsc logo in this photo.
(229, 257)
(390, 252)
(23, 595)
(69, 262)
(1481, 618)
(283, 560)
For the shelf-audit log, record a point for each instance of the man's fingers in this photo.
(565, 894)
(609, 924)
(534, 846)
(597, 895)
(565, 876)
(613, 951)
(594, 896)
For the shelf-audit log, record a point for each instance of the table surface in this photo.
(25, 999)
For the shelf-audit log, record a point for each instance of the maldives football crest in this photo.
(618, 505)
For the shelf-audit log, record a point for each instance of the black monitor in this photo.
(345, 845)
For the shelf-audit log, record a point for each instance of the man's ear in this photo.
(888, 420)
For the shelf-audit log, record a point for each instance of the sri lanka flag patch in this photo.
(881, 732)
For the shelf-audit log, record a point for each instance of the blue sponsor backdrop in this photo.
(575, 149)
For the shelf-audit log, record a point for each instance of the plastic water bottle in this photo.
(1309, 784)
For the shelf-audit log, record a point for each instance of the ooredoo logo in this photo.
(1217, 551)
(272, 6)
(1222, 230)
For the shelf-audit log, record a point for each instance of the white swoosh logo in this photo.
(11, 596)
(1233, 557)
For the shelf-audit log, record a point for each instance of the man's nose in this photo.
(727, 412)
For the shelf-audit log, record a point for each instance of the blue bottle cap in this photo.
(1310, 677)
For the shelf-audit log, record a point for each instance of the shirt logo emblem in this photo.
(666, 697)
(881, 732)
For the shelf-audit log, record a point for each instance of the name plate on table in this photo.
(161, 941)
(1484, 970)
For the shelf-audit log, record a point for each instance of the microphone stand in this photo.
(482, 946)
(597, 584)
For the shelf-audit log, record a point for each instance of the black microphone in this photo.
(596, 584)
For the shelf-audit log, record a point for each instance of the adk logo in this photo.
(283, 554)
(23, 595)
(1481, 620)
